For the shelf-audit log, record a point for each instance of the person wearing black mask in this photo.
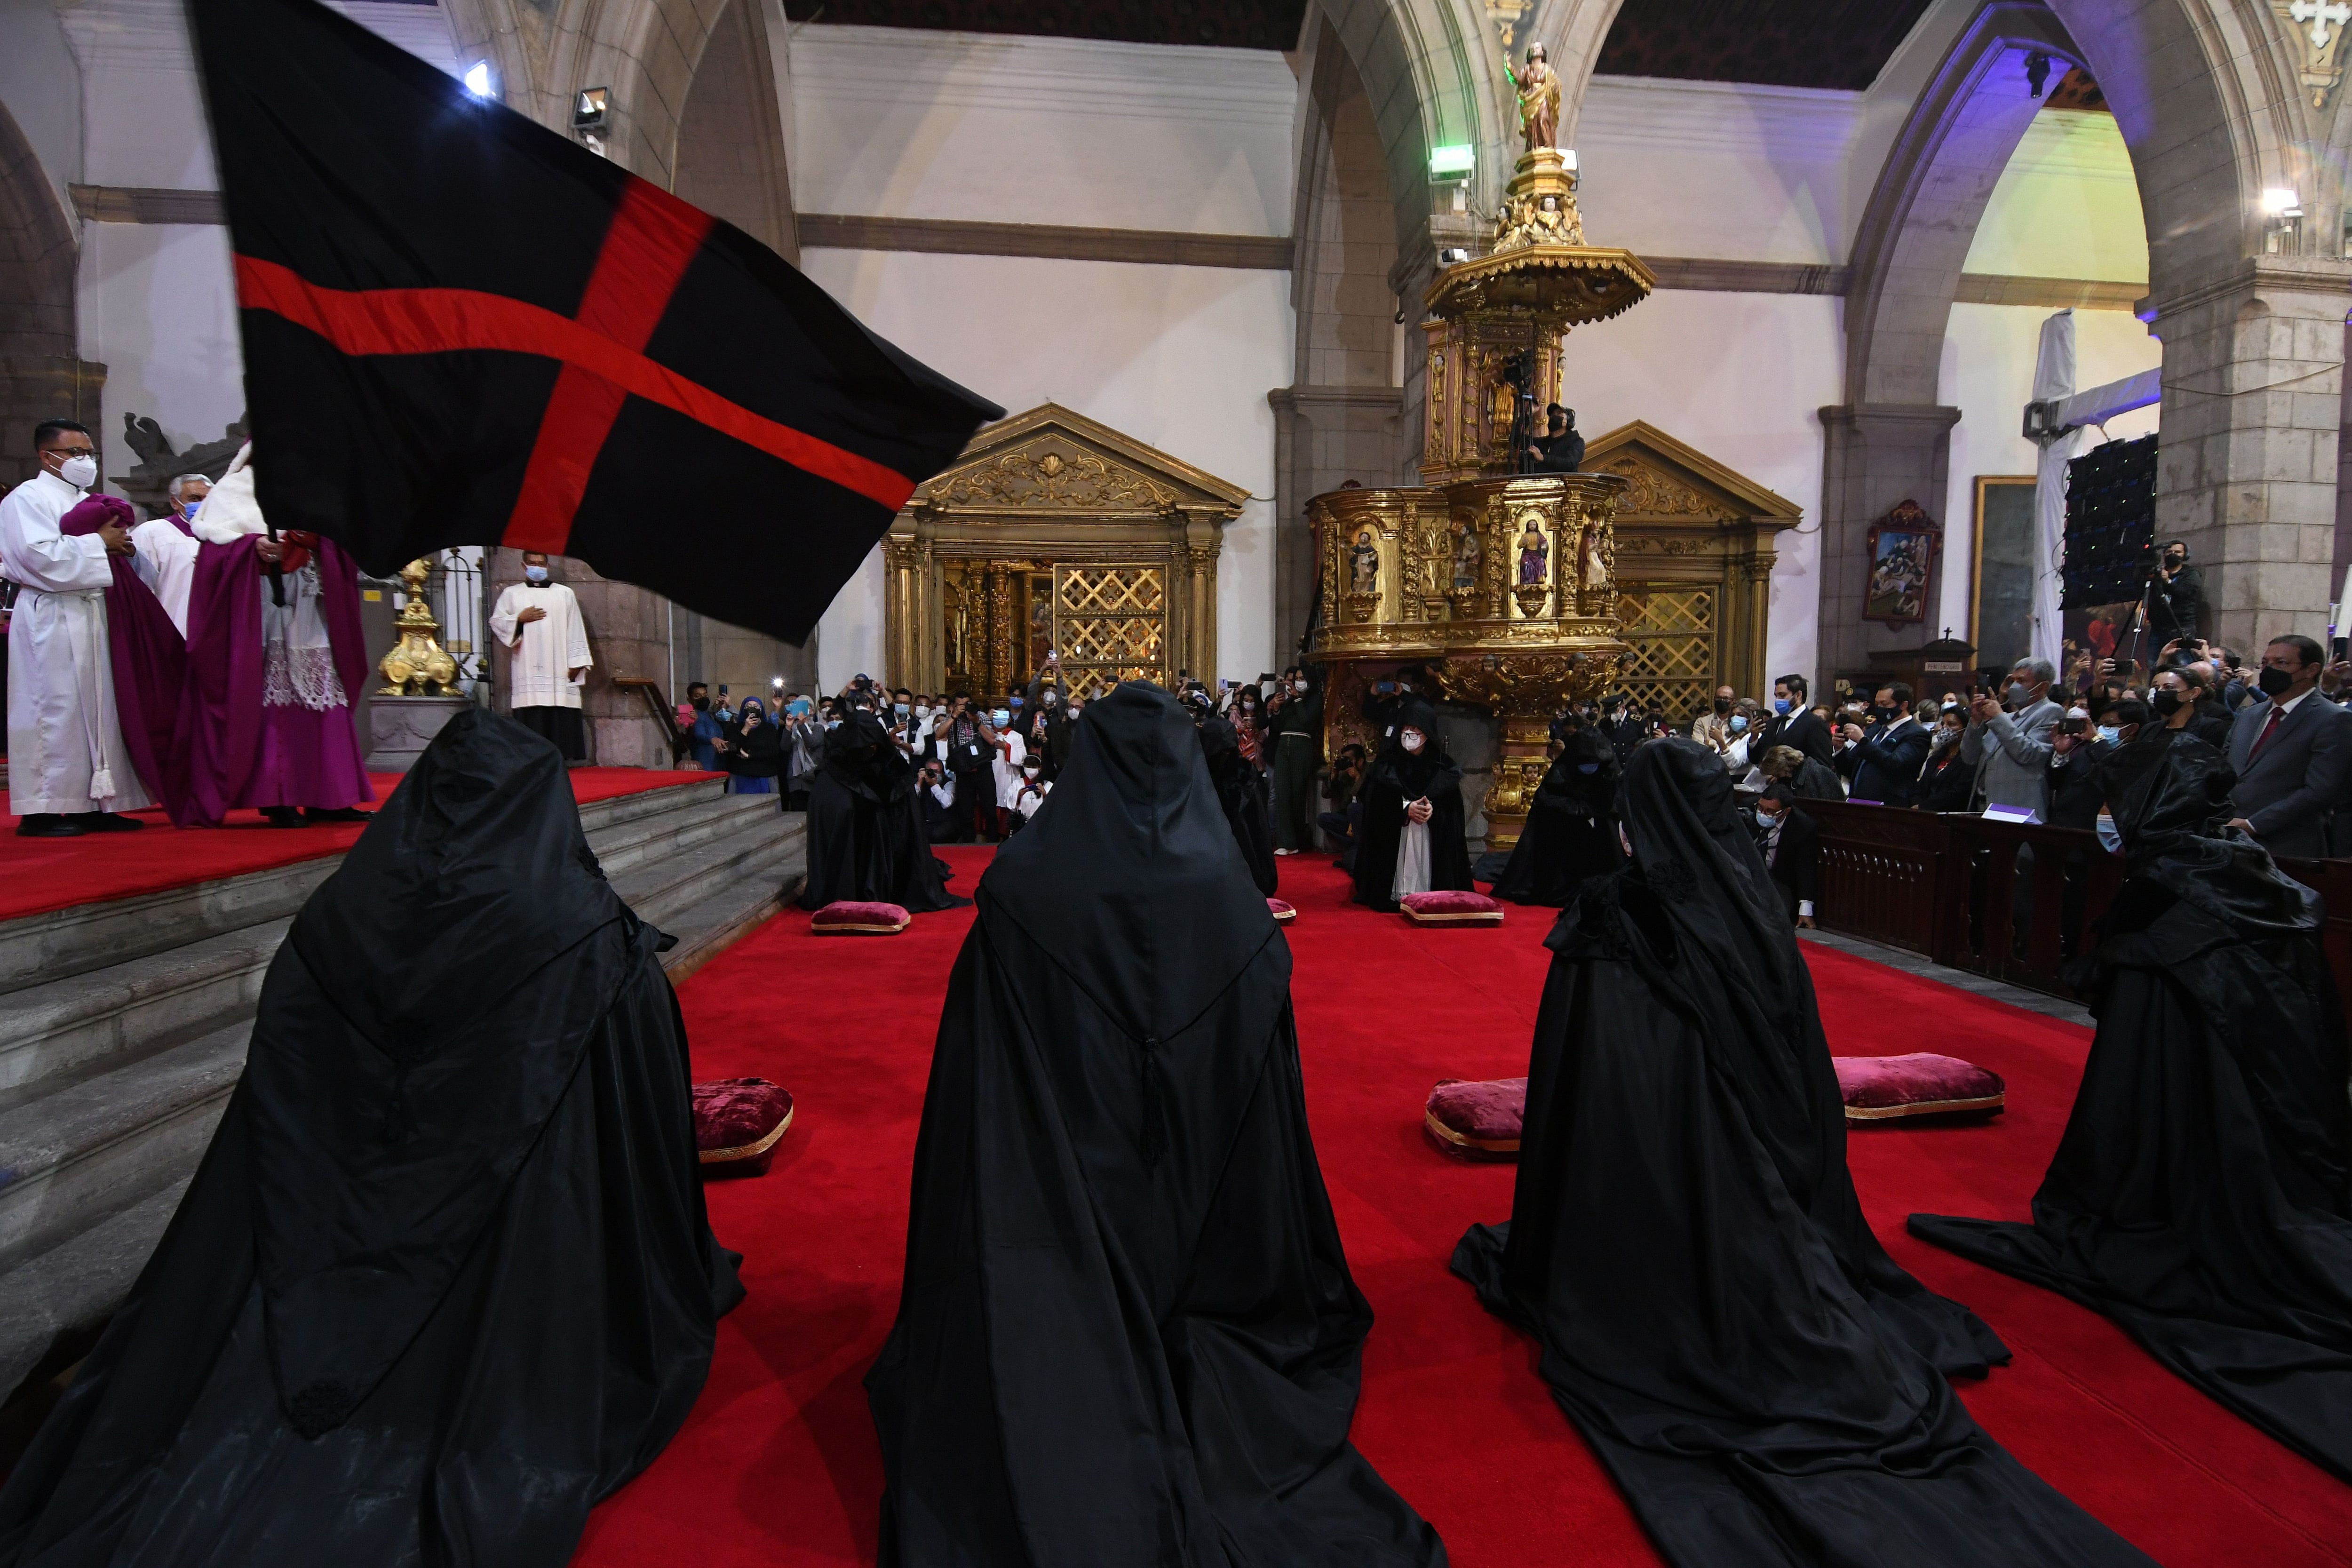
(1241, 790)
(1620, 725)
(1127, 1332)
(2175, 596)
(1713, 730)
(1563, 447)
(1412, 837)
(1762, 1381)
(1883, 762)
(1571, 830)
(1946, 781)
(703, 738)
(2200, 1195)
(444, 1279)
(2291, 753)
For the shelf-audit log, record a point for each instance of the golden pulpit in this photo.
(1502, 584)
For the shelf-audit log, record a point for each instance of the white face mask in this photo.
(534, 573)
(1412, 740)
(79, 470)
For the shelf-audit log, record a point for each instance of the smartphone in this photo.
(1383, 688)
(2338, 649)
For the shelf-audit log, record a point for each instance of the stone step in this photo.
(111, 1079)
(93, 1148)
(83, 937)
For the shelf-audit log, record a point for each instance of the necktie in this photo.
(2269, 730)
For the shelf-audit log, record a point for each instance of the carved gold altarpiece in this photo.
(1053, 532)
(1504, 586)
(1695, 544)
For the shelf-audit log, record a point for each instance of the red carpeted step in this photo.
(778, 1463)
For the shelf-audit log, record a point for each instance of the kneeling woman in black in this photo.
(1764, 1383)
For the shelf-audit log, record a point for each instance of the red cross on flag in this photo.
(460, 328)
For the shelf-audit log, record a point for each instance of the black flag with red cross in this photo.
(460, 328)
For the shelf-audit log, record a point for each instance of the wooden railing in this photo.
(1999, 899)
(681, 744)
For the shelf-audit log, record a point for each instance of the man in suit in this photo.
(2291, 752)
(1884, 764)
(2007, 739)
(1794, 725)
(1791, 842)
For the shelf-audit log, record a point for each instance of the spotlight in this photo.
(2279, 202)
(1452, 256)
(477, 78)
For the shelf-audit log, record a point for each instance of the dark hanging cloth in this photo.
(444, 1279)
(1241, 790)
(865, 837)
(1127, 1332)
(2199, 1196)
(1395, 780)
(1572, 831)
(1765, 1384)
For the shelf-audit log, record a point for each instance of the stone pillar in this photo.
(2246, 464)
(1876, 455)
(1323, 437)
(34, 387)
(628, 634)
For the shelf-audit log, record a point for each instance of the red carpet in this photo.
(37, 874)
(778, 1464)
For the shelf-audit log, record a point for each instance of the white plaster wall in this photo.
(1723, 169)
(157, 305)
(1988, 373)
(2066, 206)
(1179, 357)
(894, 122)
(42, 89)
(1741, 377)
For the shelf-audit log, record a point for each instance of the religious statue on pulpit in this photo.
(1538, 92)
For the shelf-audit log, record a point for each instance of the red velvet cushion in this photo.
(852, 917)
(1477, 1117)
(1282, 912)
(737, 1124)
(1922, 1084)
(1451, 908)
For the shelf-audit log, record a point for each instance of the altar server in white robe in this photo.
(68, 772)
(168, 549)
(539, 620)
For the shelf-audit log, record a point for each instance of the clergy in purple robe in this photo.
(144, 650)
(268, 721)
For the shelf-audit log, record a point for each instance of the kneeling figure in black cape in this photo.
(2199, 1196)
(1571, 830)
(1766, 1384)
(866, 836)
(1397, 856)
(1127, 1332)
(444, 1279)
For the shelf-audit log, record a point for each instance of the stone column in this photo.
(1876, 455)
(628, 634)
(2252, 421)
(34, 387)
(1323, 437)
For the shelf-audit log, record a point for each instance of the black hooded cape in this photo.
(2198, 1196)
(865, 837)
(1242, 791)
(1766, 1384)
(1395, 780)
(1572, 831)
(1127, 1336)
(444, 1278)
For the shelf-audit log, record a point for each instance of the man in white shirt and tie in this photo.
(68, 772)
(539, 620)
(2291, 751)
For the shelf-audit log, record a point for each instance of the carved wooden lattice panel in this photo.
(1670, 631)
(1110, 624)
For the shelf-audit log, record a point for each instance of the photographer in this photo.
(968, 744)
(2175, 596)
(1339, 824)
(937, 795)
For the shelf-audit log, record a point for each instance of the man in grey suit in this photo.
(2291, 752)
(2009, 738)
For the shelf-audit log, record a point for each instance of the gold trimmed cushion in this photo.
(855, 917)
(1281, 911)
(1477, 1117)
(1881, 1089)
(737, 1123)
(1451, 908)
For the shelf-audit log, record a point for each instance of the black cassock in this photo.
(866, 836)
(444, 1279)
(1128, 1334)
(1395, 780)
(1765, 1384)
(1572, 831)
(1241, 790)
(2199, 1194)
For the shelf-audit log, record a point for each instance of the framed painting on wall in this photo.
(2000, 606)
(1902, 567)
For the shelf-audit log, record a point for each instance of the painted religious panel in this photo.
(1902, 567)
